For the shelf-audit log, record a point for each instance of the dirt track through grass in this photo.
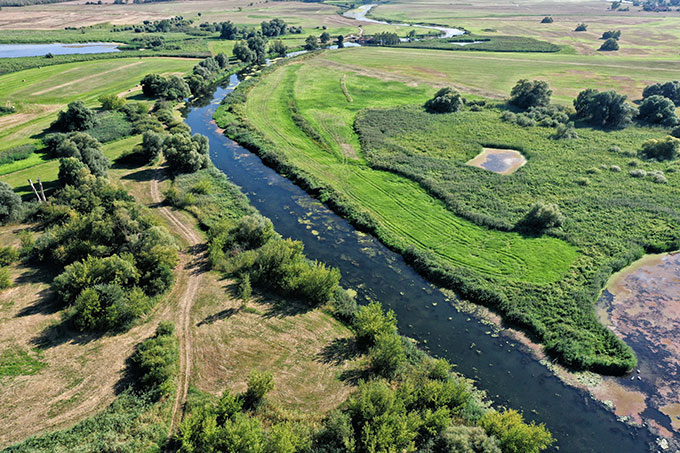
(192, 265)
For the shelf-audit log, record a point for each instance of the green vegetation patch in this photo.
(485, 43)
(16, 361)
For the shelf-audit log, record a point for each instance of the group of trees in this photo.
(270, 29)
(205, 72)
(526, 94)
(171, 87)
(385, 38)
(252, 51)
(76, 117)
(77, 151)
(604, 108)
(611, 42)
(670, 90)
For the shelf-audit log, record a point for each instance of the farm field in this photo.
(643, 33)
(307, 113)
(38, 94)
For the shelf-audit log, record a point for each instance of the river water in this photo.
(39, 50)
(510, 374)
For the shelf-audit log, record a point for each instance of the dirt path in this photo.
(191, 263)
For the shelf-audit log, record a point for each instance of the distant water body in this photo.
(39, 50)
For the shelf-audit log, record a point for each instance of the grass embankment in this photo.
(38, 94)
(301, 122)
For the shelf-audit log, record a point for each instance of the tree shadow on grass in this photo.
(224, 314)
(280, 308)
(339, 351)
(45, 303)
(144, 175)
(62, 333)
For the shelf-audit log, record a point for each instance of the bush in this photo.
(71, 171)
(605, 109)
(658, 110)
(542, 216)
(658, 177)
(609, 45)
(467, 439)
(446, 100)
(371, 322)
(344, 305)
(172, 87)
(86, 149)
(252, 232)
(566, 132)
(581, 27)
(10, 204)
(16, 153)
(151, 147)
(245, 291)
(76, 117)
(513, 434)
(637, 173)
(670, 90)
(5, 279)
(547, 20)
(185, 153)
(526, 94)
(154, 362)
(611, 34)
(387, 357)
(111, 102)
(8, 255)
(259, 384)
(676, 132)
(660, 149)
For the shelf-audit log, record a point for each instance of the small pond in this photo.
(39, 50)
(503, 161)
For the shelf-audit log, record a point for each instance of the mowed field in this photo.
(643, 33)
(405, 210)
(39, 94)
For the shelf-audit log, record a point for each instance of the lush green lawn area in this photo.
(48, 170)
(306, 113)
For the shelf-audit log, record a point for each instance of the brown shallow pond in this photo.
(642, 306)
(503, 161)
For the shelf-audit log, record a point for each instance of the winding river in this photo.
(507, 371)
(360, 15)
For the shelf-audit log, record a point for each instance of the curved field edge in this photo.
(577, 339)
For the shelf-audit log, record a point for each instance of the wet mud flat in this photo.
(502, 161)
(642, 306)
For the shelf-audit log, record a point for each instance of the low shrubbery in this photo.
(660, 149)
(17, 153)
(10, 204)
(153, 365)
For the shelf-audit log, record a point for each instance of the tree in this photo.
(542, 216)
(658, 110)
(76, 117)
(670, 90)
(172, 88)
(371, 322)
(612, 34)
(660, 149)
(610, 45)
(547, 20)
(259, 46)
(526, 94)
(311, 43)
(581, 27)
(111, 102)
(151, 147)
(71, 171)
(278, 48)
(604, 109)
(387, 357)
(340, 41)
(274, 27)
(325, 37)
(10, 203)
(228, 30)
(185, 153)
(222, 60)
(243, 53)
(87, 150)
(446, 100)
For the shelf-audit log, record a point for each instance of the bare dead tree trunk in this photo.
(34, 190)
(42, 190)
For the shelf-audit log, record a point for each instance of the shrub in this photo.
(609, 45)
(466, 439)
(387, 357)
(245, 291)
(10, 204)
(637, 173)
(524, 120)
(446, 100)
(16, 153)
(566, 132)
(547, 20)
(660, 149)
(8, 255)
(86, 149)
(172, 87)
(670, 90)
(251, 232)
(372, 321)
(76, 117)
(526, 94)
(581, 27)
(658, 177)
(542, 216)
(111, 102)
(615, 168)
(658, 110)
(71, 171)
(151, 147)
(344, 305)
(154, 362)
(513, 434)
(259, 384)
(676, 132)
(5, 279)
